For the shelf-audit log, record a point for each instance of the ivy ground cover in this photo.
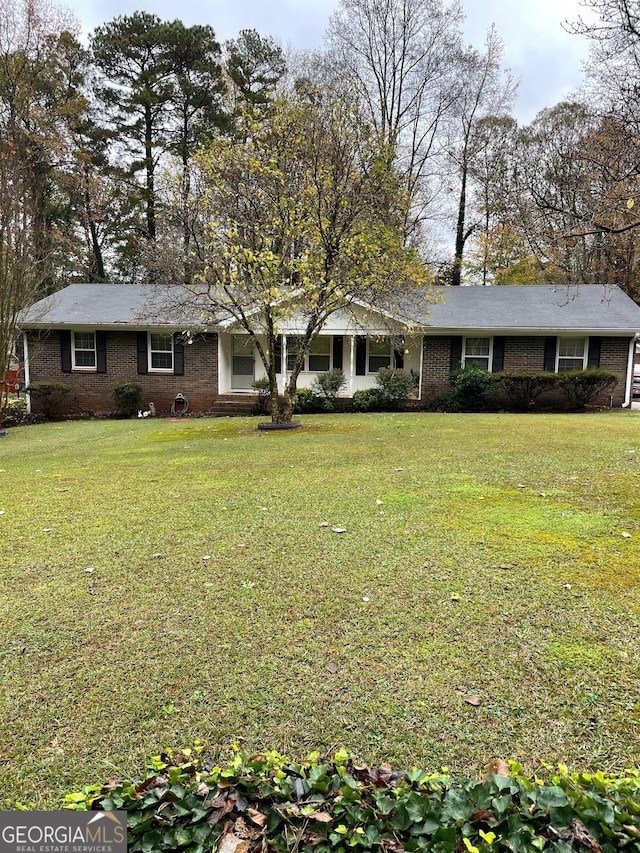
(167, 581)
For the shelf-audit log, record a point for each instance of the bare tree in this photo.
(400, 56)
(484, 90)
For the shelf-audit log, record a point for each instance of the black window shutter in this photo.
(143, 360)
(338, 344)
(101, 352)
(498, 355)
(398, 359)
(277, 354)
(361, 355)
(595, 345)
(178, 356)
(550, 346)
(65, 350)
(456, 352)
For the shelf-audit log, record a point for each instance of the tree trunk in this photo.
(456, 275)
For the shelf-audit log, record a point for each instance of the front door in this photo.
(243, 363)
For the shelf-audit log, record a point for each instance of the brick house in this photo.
(94, 336)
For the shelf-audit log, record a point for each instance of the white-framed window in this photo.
(572, 354)
(317, 360)
(379, 354)
(161, 352)
(83, 350)
(477, 352)
(319, 355)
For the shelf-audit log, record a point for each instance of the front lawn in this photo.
(162, 581)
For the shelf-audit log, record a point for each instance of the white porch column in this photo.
(27, 379)
(352, 365)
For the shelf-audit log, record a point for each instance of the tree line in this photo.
(135, 157)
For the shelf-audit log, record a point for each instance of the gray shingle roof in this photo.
(104, 305)
(534, 308)
(541, 308)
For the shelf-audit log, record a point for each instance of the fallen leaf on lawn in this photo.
(632, 830)
(461, 688)
(625, 535)
(521, 486)
(339, 529)
(366, 598)
(47, 530)
(505, 566)
(399, 470)
(473, 700)
(332, 667)
(90, 570)
(379, 502)
(567, 586)
(323, 817)
(202, 790)
(455, 596)
(206, 557)
(499, 767)
(257, 817)
(324, 524)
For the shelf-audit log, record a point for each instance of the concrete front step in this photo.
(235, 404)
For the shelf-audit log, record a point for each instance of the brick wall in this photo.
(520, 353)
(199, 384)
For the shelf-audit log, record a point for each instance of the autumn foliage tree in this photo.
(305, 219)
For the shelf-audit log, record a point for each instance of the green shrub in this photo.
(54, 399)
(127, 397)
(470, 388)
(14, 411)
(440, 402)
(333, 805)
(305, 401)
(394, 386)
(584, 386)
(523, 387)
(327, 386)
(367, 400)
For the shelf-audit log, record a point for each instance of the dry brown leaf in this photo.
(257, 817)
(332, 667)
(230, 843)
(473, 700)
(481, 814)
(323, 817)
(505, 566)
(499, 767)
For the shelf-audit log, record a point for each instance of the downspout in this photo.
(630, 362)
(27, 379)
(421, 367)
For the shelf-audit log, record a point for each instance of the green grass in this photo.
(293, 637)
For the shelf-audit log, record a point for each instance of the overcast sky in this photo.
(542, 56)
